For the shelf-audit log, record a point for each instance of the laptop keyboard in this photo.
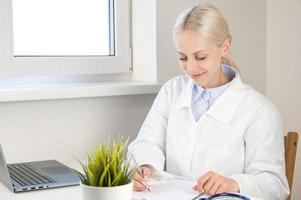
(25, 175)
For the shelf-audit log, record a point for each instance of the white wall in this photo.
(284, 69)
(248, 31)
(61, 129)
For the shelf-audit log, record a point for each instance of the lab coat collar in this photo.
(185, 95)
(225, 105)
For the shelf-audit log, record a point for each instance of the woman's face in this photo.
(201, 59)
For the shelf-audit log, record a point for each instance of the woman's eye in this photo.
(182, 59)
(201, 58)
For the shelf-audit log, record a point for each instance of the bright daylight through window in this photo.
(64, 37)
(63, 28)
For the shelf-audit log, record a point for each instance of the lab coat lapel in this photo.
(224, 107)
(185, 96)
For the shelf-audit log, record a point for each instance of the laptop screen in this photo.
(4, 174)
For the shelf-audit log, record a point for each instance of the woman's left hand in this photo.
(213, 183)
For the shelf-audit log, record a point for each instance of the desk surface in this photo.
(72, 192)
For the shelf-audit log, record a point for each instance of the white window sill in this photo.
(11, 93)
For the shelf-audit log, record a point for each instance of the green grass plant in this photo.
(107, 165)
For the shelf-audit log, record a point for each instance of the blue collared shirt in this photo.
(202, 98)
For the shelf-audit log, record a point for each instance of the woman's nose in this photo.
(191, 65)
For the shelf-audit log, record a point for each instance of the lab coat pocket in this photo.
(224, 161)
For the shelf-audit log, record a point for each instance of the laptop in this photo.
(21, 177)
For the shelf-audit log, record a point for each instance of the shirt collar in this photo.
(223, 108)
(213, 93)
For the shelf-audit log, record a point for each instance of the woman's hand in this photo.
(213, 183)
(140, 176)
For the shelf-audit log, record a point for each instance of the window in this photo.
(41, 28)
(64, 37)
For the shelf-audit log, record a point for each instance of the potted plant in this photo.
(106, 173)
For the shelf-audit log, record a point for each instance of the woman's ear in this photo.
(226, 46)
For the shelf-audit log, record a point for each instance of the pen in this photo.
(145, 183)
(198, 196)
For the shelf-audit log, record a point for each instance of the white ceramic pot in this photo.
(123, 192)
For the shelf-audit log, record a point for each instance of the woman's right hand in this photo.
(140, 176)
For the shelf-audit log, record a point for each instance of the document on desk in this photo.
(163, 190)
(165, 186)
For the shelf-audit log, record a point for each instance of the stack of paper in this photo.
(164, 190)
(164, 186)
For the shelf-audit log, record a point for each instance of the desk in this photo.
(162, 190)
(71, 193)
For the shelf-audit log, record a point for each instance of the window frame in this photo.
(11, 65)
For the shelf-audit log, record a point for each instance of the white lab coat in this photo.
(240, 136)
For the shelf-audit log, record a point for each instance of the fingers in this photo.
(221, 189)
(214, 187)
(138, 185)
(145, 171)
(211, 180)
(210, 183)
(138, 182)
(213, 183)
(195, 187)
(139, 176)
(203, 180)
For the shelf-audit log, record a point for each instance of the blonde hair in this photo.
(210, 23)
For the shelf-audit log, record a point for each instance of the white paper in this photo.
(165, 186)
(172, 189)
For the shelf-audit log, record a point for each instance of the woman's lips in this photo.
(196, 76)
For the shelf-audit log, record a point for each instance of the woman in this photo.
(208, 125)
